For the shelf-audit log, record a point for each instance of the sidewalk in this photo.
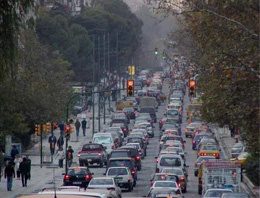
(226, 143)
(44, 177)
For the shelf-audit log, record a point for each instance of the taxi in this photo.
(241, 158)
(209, 150)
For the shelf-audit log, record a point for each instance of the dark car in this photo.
(119, 153)
(196, 140)
(92, 153)
(123, 126)
(134, 154)
(151, 111)
(137, 139)
(126, 162)
(77, 176)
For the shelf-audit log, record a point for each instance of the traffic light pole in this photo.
(52, 136)
(99, 126)
(41, 144)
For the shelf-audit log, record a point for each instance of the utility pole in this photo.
(41, 129)
(104, 70)
(99, 72)
(93, 89)
(117, 66)
(108, 63)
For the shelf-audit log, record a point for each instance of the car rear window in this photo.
(101, 181)
(103, 140)
(173, 171)
(119, 154)
(165, 184)
(117, 171)
(77, 171)
(134, 140)
(209, 148)
(165, 177)
(118, 163)
(170, 161)
(91, 147)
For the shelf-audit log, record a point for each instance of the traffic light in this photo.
(192, 85)
(130, 88)
(38, 129)
(67, 130)
(156, 51)
(48, 127)
(44, 128)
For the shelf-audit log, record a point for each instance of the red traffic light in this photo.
(130, 87)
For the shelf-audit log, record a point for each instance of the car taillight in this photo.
(179, 184)
(132, 172)
(133, 159)
(124, 129)
(66, 177)
(78, 155)
(129, 179)
(111, 189)
(88, 177)
(203, 154)
(193, 142)
(138, 157)
(99, 154)
(182, 179)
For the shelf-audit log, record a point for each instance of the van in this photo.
(106, 140)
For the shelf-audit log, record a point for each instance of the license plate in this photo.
(77, 182)
(89, 160)
(118, 178)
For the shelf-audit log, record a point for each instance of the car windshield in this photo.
(134, 140)
(103, 140)
(173, 171)
(170, 161)
(200, 159)
(119, 154)
(101, 182)
(117, 171)
(118, 163)
(77, 171)
(165, 184)
(231, 195)
(209, 148)
(91, 147)
(216, 193)
(172, 112)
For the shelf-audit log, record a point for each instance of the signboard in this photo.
(77, 89)
(222, 164)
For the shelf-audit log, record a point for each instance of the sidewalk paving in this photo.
(44, 177)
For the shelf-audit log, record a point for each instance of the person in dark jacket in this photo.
(84, 126)
(62, 128)
(14, 152)
(29, 166)
(77, 126)
(52, 141)
(9, 174)
(24, 169)
(60, 142)
(69, 154)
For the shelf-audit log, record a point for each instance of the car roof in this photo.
(120, 158)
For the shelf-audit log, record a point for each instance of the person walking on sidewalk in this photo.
(60, 155)
(77, 126)
(60, 142)
(29, 163)
(84, 126)
(62, 128)
(70, 152)
(24, 168)
(9, 174)
(17, 162)
(89, 104)
(52, 141)
(14, 152)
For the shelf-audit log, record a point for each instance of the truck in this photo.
(219, 174)
(148, 102)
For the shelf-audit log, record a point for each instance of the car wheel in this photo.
(129, 187)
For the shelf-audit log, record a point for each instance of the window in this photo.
(101, 182)
(170, 161)
(91, 147)
(165, 184)
(117, 171)
(103, 140)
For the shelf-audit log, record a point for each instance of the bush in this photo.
(252, 168)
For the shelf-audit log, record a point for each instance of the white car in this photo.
(122, 176)
(106, 140)
(104, 183)
(216, 193)
(169, 160)
(167, 184)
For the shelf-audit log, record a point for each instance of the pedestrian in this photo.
(29, 163)
(89, 104)
(9, 174)
(70, 152)
(60, 155)
(84, 126)
(1, 162)
(17, 162)
(62, 128)
(24, 168)
(77, 126)
(60, 142)
(52, 142)
(14, 152)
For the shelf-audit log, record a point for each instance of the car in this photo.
(237, 149)
(154, 192)
(104, 183)
(106, 140)
(164, 177)
(123, 126)
(199, 160)
(196, 140)
(142, 134)
(182, 175)
(130, 112)
(137, 139)
(124, 162)
(174, 114)
(209, 150)
(151, 111)
(167, 184)
(241, 158)
(134, 154)
(190, 128)
(216, 192)
(179, 150)
(92, 153)
(234, 195)
(168, 160)
(122, 176)
(138, 147)
(77, 176)
(119, 153)
(117, 134)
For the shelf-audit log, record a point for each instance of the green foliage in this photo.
(252, 168)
